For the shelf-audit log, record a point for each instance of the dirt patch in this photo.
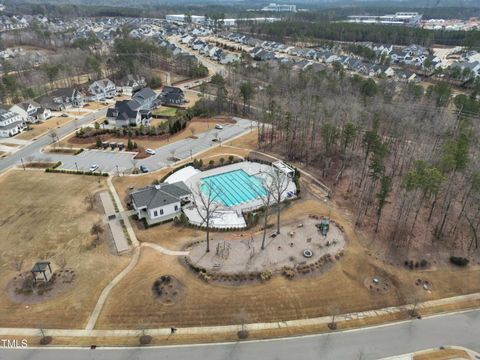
(167, 289)
(22, 289)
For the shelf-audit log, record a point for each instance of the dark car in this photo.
(144, 169)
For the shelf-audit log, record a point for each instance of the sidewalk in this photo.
(126, 220)
(89, 332)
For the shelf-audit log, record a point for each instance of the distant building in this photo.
(196, 19)
(399, 18)
(280, 8)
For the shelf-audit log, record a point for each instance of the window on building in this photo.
(155, 212)
(161, 211)
(176, 207)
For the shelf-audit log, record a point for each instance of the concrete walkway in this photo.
(164, 250)
(126, 220)
(106, 291)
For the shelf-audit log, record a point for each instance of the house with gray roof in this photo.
(134, 112)
(160, 203)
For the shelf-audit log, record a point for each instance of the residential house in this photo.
(171, 95)
(159, 203)
(228, 58)
(130, 84)
(101, 90)
(134, 112)
(11, 123)
(62, 99)
(27, 110)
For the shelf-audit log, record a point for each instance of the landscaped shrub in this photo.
(289, 272)
(265, 275)
(459, 261)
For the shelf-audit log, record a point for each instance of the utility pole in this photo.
(21, 159)
(76, 165)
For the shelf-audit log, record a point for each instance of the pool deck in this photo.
(230, 217)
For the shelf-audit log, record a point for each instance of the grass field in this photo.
(341, 289)
(165, 111)
(43, 127)
(44, 217)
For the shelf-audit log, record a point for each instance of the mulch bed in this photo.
(19, 291)
(167, 289)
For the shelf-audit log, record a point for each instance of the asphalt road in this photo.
(34, 148)
(461, 329)
(112, 161)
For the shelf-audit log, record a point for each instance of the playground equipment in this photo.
(223, 250)
(324, 226)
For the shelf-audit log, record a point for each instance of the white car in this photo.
(218, 126)
(150, 152)
(94, 167)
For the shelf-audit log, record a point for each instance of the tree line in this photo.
(352, 32)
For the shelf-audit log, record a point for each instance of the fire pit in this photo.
(307, 253)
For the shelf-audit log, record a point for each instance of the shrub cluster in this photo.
(422, 264)
(75, 172)
(459, 261)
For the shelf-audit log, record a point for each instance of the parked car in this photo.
(64, 115)
(94, 167)
(150, 152)
(218, 126)
(144, 169)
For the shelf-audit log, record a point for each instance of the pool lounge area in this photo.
(239, 188)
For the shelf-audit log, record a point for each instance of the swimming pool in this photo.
(234, 187)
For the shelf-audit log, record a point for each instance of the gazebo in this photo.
(41, 271)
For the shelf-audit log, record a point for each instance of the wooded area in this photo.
(342, 31)
(404, 160)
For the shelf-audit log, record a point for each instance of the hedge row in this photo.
(75, 172)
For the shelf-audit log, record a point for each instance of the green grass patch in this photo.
(165, 111)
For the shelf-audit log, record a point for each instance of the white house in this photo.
(31, 111)
(159, 203)
(10, 123)
(101, 90)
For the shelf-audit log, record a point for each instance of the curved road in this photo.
(461, 329)
(122, 161)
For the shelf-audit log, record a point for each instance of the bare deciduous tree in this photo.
(207, 203)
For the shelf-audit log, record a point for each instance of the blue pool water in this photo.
(234, 187)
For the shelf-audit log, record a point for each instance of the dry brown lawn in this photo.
(95, 105)
(341, 289)
(247, 141)
(44, 127)
(442, 354)
(44, 216)
(192, 97)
